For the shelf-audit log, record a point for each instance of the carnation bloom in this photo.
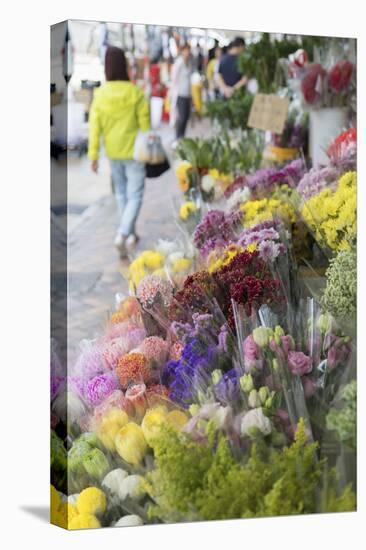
(113, 350)
(100, 387)
(153, 290)
(155, 349)
(89, 363)
(133, 368)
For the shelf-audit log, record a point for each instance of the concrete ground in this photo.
(95, 273)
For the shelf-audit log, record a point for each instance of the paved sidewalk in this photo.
(95, 271)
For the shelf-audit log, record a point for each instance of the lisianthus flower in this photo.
(299, 363)
(255, 421)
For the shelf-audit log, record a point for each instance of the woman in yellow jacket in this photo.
(118, 111)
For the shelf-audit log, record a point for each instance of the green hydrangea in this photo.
(340, 295)
(343, 420)
(195, 481)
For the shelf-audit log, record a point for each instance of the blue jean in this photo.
(129, 183)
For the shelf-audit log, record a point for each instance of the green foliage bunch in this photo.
(197, 481)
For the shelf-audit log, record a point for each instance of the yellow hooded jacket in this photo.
(118, 111)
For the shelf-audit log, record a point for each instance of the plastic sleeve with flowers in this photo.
(188, 212)
(342, 152)
(147, 262)
(333, 359)
(281, 369)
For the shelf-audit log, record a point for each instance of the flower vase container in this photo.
(325, 125)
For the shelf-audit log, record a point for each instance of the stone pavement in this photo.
(95, 272)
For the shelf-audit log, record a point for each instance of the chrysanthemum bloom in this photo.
(84, 521)
(155, 349)
(91, 501)
(133, 368)
(99, 387)
(136, 395)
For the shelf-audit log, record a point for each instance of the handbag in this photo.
(149, 148)
(156, 170)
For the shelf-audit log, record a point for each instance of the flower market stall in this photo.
(224, 385)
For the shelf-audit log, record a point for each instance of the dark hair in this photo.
(185, 46)
(238, 42)
(115, 65)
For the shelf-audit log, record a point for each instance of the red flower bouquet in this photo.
(340, 75)
(312, 84)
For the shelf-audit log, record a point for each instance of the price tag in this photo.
(268, 112)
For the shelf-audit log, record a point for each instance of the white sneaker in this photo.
(132, 241)
(120, 244)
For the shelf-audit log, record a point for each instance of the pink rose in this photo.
(287, 343)
(299, 363)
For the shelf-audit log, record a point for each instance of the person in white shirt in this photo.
(180, 91)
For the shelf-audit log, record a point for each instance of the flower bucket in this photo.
(325, 125)
(273, 155)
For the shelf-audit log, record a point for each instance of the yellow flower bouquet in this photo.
(331, 214)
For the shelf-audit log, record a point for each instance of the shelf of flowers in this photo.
(224, 386)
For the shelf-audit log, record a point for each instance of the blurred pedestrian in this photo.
(118, 111)
(229, 76)
(181, 91)
(212, 70)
